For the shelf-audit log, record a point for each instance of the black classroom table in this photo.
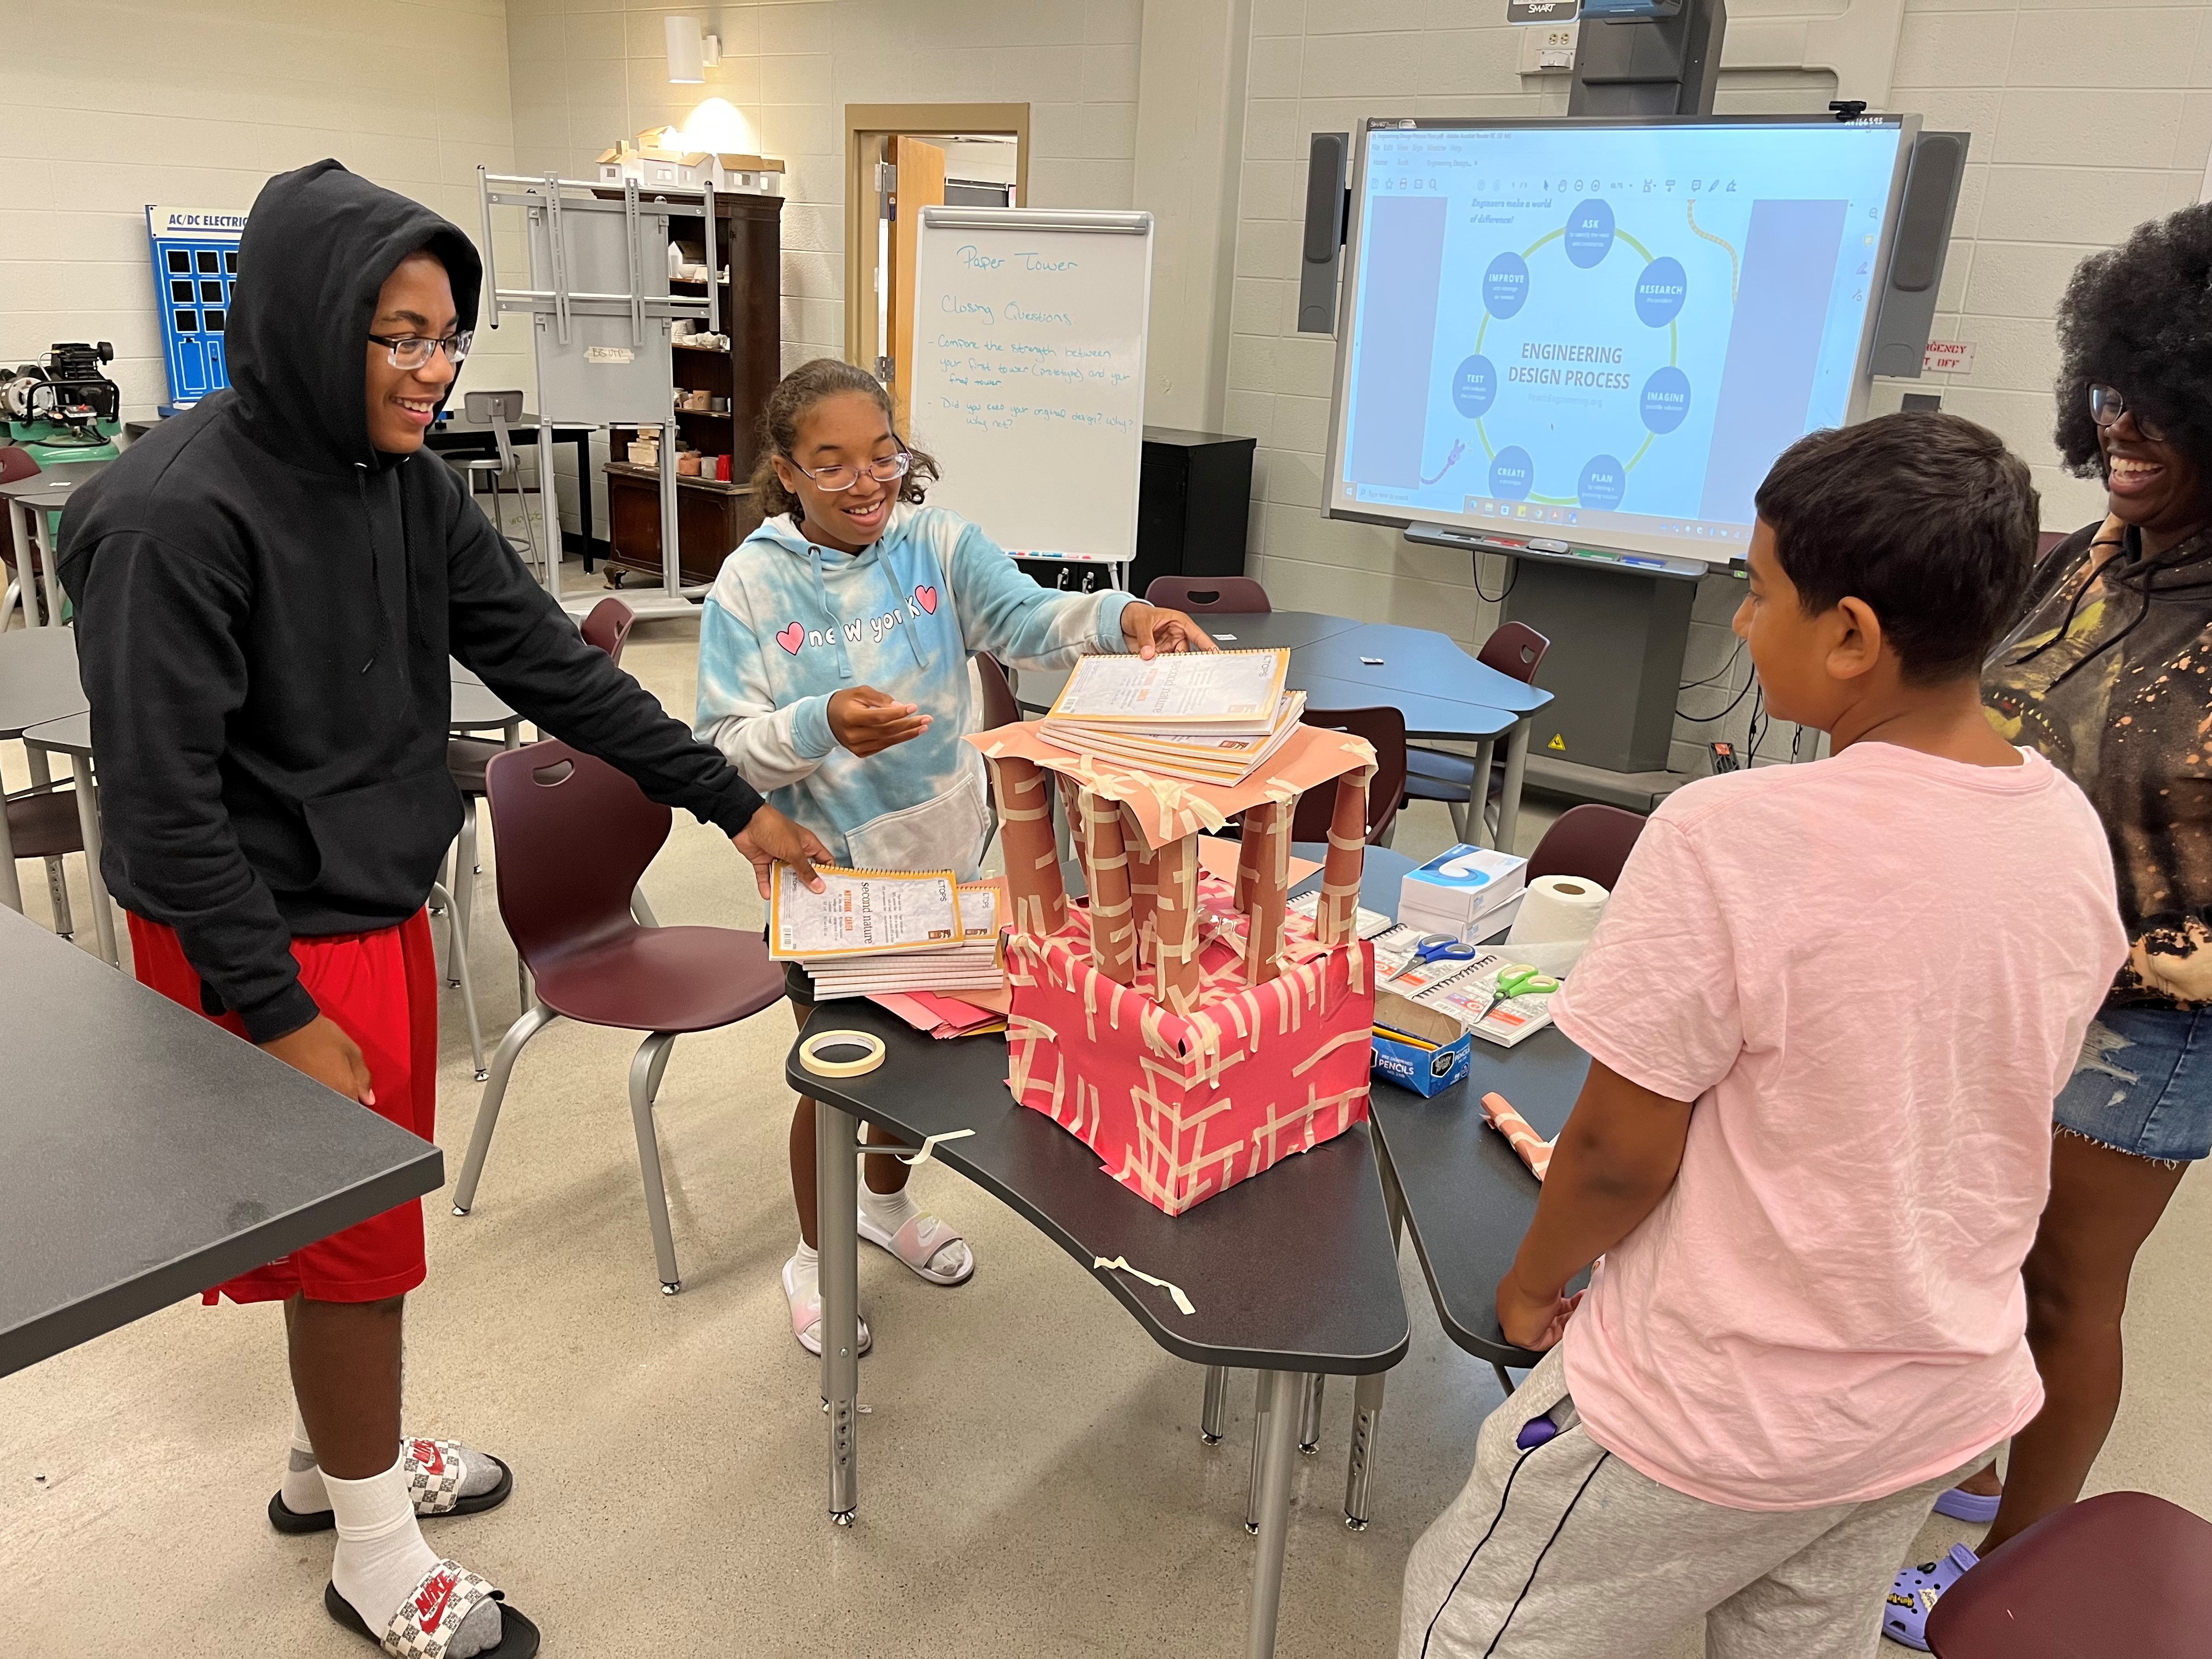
(1293, 1274)
(453, 435)
(146, 1154)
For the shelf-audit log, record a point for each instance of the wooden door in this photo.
(921, 183)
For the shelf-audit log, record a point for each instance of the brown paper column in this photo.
(1267, 853)
(1174, 926)
(1337, 919)
(1039, 898)
(1071, 814)
(1113, 939)
(1143, 889)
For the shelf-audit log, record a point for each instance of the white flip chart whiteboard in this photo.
(1028, 380)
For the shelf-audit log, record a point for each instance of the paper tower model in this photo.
(1191, 1034)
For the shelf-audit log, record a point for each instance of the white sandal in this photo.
(424, 1626)
(920, 1241)
(806, 1318)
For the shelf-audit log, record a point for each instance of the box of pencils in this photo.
(1419, 1048)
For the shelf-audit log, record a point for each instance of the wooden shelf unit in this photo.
(712, 517)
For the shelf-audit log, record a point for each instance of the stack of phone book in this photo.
(884, 932)
(1466, 990)
(1211, 717)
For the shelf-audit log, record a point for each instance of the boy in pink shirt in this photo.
(1827, 1013)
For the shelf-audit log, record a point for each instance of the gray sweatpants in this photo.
(1567, 1553)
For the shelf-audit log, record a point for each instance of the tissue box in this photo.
(1419, 1048)
(1456, 892)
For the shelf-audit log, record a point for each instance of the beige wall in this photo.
(584, 74)
(113, 104)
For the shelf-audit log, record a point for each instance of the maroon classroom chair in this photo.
(15, 462)
(1514, 649)
(1589, 840)
(608, 628)
(571, 920)
(1000, 707)
(2122, 1573)
(1206, 595)
(1386, 729)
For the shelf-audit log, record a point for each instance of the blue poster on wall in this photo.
(195, 264)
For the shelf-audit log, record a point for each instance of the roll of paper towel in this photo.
(1558, 910)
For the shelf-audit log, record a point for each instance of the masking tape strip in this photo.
(810, 1053)
(929, 1144)
(1120, 1264)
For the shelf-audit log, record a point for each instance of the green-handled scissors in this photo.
(1517, 979)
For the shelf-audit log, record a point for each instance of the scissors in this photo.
(1433, 945)
(1516, 980)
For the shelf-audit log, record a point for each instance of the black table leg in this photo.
(582, 439)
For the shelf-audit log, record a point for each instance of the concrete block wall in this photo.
(2086, 119)
(113, 104)
(584, 73)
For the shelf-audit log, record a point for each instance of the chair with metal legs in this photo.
(573, 924)
(608, 628)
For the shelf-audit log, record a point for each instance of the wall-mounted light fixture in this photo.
(690, 51)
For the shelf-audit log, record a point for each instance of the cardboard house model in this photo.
(659, 157)
(1190, 1033)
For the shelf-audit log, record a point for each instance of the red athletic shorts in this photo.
(382, 990)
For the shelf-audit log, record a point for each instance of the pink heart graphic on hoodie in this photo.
(792, 638)
(927, 599)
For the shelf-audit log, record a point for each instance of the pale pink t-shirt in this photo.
(1872, 974)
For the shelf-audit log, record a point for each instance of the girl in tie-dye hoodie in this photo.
(833, 673)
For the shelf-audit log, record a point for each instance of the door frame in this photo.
(867, 126)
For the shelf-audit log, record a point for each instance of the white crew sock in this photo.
(892, 1210)
(303, 1488)
(381, 1557)
(806, 1274)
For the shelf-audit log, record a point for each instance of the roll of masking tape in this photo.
(811, 1050)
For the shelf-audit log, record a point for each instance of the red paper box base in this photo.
(1180, 1108)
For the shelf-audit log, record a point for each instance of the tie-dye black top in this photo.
(2110, 678)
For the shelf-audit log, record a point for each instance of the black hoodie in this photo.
(265, 608)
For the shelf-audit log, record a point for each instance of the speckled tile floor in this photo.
(1032, 1481)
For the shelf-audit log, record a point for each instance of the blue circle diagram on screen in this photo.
(1606, 328)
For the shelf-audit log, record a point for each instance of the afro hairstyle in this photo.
(2139, 317)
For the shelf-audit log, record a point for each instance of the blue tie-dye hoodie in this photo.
(788, 624)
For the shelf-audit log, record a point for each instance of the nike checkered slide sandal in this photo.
(436, 1472)
(428, 1621)
(806, 1318)
(918, 1242)
(1917, 1590)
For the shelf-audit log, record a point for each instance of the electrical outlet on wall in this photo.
(1549, 49)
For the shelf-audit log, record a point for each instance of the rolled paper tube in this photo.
(1033, 883)
(1113, 935)
(1536, 1151)
(1174, 977)
(1336, 918)
(1144, 888)
(1071, 809)
(1267, 850)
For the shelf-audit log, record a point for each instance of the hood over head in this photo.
(318, 244)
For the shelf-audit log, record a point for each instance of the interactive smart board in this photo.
(1604, 332)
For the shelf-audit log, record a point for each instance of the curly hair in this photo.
(2139, 317)
(795, 398)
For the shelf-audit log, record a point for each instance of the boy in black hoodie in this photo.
(267, 590)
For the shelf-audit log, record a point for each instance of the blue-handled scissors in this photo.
(1515, 980)
(1432, 946)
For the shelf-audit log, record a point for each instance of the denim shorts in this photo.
(2143, 1083)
